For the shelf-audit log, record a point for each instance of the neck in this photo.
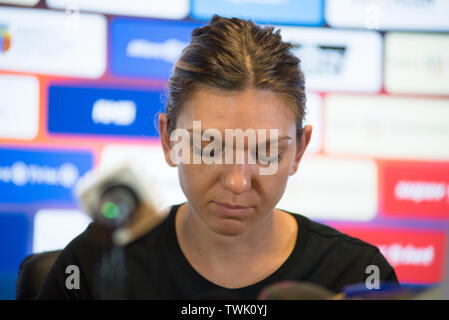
(261, 239)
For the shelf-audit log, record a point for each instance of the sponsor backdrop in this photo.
(81, 82)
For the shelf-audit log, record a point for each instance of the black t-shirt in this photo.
(154, 267)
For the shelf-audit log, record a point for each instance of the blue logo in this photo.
(147, 49)
(291, 12)
(103, 111)
(41, 176)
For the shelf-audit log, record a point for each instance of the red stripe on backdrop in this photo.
(417, 256)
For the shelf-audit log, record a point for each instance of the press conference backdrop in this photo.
(81, 83)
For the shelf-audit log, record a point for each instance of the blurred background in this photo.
(81, 83)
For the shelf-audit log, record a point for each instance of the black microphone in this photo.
(112, 197)
(118, 198)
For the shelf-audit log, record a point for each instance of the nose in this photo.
(237, 178)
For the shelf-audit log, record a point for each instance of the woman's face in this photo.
(232, 198)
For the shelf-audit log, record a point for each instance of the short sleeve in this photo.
(387, 272)
(54, 286)
(69, 278)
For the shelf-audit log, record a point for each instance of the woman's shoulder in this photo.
(335, 259)
(321, 238)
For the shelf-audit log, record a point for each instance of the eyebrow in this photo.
(281, 138)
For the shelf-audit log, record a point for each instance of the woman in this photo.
(228, 240)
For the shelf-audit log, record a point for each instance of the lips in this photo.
(232, 209)
(230, 206)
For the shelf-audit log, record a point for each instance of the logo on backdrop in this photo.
(408, 255)
(41, 175)
(147, 49)
(120, 113)
(20, 174)
(169, 50)
(321, 59)
(103, 110)
(5, 38)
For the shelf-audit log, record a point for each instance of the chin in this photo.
(229, 228)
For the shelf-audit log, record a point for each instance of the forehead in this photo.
(250, 108)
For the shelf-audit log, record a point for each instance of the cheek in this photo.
(274, 185)
(195, 180)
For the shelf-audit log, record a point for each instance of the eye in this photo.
(266, 160)
(265, 156)
(199, 149)
(211, 154)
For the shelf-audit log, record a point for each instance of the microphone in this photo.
(117, 198)
(386, 291)
(296, 290)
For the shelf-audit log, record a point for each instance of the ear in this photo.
(301, 147)
(165, 138)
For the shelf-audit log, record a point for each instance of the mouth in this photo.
(232, 209)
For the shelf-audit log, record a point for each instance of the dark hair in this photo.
(234, 54)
